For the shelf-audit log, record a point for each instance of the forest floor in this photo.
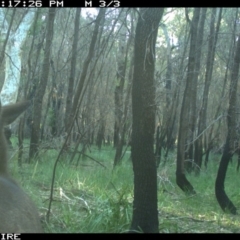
(199, 213)
(90, 198)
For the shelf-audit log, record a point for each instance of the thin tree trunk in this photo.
(37, 108)
(218, 110)
(73, 69)
(181, 179)
(209, 69)
(79, 89)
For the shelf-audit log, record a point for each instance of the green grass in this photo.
(90, 198)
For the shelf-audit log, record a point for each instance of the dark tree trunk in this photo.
(100, 135)
(222, 198)
(37, 108)
(20, 139)
(118, 110)
(182, 151)
(209, 69)
(191, 88)
(73, 69)
(229, 149)
(79, 88)
(123, 126)
(193, 103)
(145, 211)
(211, 138)
(122, 109)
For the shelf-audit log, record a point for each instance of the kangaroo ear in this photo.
(12, 111)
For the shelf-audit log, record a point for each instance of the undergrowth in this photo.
(90, 198)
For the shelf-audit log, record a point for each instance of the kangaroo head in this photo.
(18, 214)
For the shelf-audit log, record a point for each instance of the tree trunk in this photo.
(229, 149)
(145, 212)
(181, 179)
(37, 108)
(79, 88)
(210, 137)
(73, 68)
(203, 112)
(193, 102)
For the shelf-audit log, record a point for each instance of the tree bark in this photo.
(73, 69)
(181, 179)
(203, 112)
(145, 212)
(79, 88)
(196, 37)
(37, 108)
(229, 149)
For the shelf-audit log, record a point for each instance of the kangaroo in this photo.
(18, 213)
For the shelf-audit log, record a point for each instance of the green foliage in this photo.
(90, 198)
(200, 213)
